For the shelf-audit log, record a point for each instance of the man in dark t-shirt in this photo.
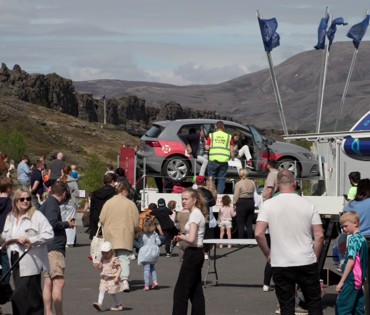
(37, 184)
(56, 168)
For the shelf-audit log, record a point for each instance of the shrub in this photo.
(13, 144)
(93, 174)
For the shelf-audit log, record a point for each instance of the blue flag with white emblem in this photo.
(270, 37)
(333, 28)
(321, 32)
(357, 31)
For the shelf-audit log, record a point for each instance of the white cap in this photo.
(106, 247)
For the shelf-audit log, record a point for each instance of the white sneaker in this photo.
(125, 286)
(266, 288)
(206, 257)
(132, 256)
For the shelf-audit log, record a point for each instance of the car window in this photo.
(184, 130)
(258, 140)
(154, 132)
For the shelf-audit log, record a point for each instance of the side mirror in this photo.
(268, 142)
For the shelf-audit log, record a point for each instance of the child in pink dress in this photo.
(225, 218)
(109, 278)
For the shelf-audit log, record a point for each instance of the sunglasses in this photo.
(25, 199)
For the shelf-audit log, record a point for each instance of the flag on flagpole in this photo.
(357, 31)
(333, 28)
(270, 37)
(321, 32)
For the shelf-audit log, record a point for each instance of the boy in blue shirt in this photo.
(351, 299)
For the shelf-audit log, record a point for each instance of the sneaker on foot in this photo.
(146, 288)
(117, 308)
(277, 311)
(229, 246)
(300, 311)
(266, 288)
(168, 255)
(125, 286)
(206, 257)
(97, 306)
(155, 285)
(221, 246)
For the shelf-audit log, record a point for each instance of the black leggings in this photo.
(244, 217)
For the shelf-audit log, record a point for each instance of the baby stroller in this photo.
(5, 288)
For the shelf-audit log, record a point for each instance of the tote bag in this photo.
(96, 242)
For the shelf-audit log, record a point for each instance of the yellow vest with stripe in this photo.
(219, 150)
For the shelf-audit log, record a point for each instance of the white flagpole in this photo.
(276, 89)
(323, 82)
(345, 91)
(105, 111)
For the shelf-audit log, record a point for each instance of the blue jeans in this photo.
(5, 264)
(218, 172)
(149, 269)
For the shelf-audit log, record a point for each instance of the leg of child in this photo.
(228, 232)
(222, 233)
(146, 275)
(154, 276)
(117, 299)
(101, 297)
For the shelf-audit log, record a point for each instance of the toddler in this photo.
(148, 242)
(225, 218)
(351, 298)
(109, 277)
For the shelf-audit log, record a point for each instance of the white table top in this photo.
(232, 241)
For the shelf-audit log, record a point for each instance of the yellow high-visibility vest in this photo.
(219, 150)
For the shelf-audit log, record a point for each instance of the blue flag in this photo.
(270, 38)
(357, 31)
(321, 32)
(333, 28)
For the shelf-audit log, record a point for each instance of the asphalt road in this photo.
(239, 290)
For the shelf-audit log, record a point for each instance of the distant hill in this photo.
(250, 98)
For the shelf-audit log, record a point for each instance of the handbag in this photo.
(96, 242)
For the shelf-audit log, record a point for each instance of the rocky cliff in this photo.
(129, 113)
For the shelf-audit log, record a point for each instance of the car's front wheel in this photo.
(290, 165)
(176, 168)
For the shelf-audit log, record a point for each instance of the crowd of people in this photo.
(38, 218)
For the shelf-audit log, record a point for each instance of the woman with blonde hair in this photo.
(244, 204)
(26, 227)
(189, 281)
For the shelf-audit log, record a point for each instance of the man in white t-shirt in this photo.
(296, 243)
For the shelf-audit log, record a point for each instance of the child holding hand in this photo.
(148, 242)
(351, 299)
(109, 277)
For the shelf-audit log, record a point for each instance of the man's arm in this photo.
(318, 234)
(259, 233)
(35, 185)
(268, 193)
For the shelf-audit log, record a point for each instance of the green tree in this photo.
(13, 144)
(92, 178)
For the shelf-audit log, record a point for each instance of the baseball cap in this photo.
(106, 247)
(200, 180)
(161, 202)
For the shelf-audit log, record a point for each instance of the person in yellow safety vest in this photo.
(221, 149)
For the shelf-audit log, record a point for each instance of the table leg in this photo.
(214, 262)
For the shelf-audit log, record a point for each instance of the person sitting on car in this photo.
(242, 150)
(195, 146)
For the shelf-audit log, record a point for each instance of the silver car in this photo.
(164, 151)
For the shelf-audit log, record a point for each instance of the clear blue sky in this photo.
(168, 41)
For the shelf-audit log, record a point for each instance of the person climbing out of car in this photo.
(242, 150)
(195, 146)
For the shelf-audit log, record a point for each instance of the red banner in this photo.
(128, 163)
